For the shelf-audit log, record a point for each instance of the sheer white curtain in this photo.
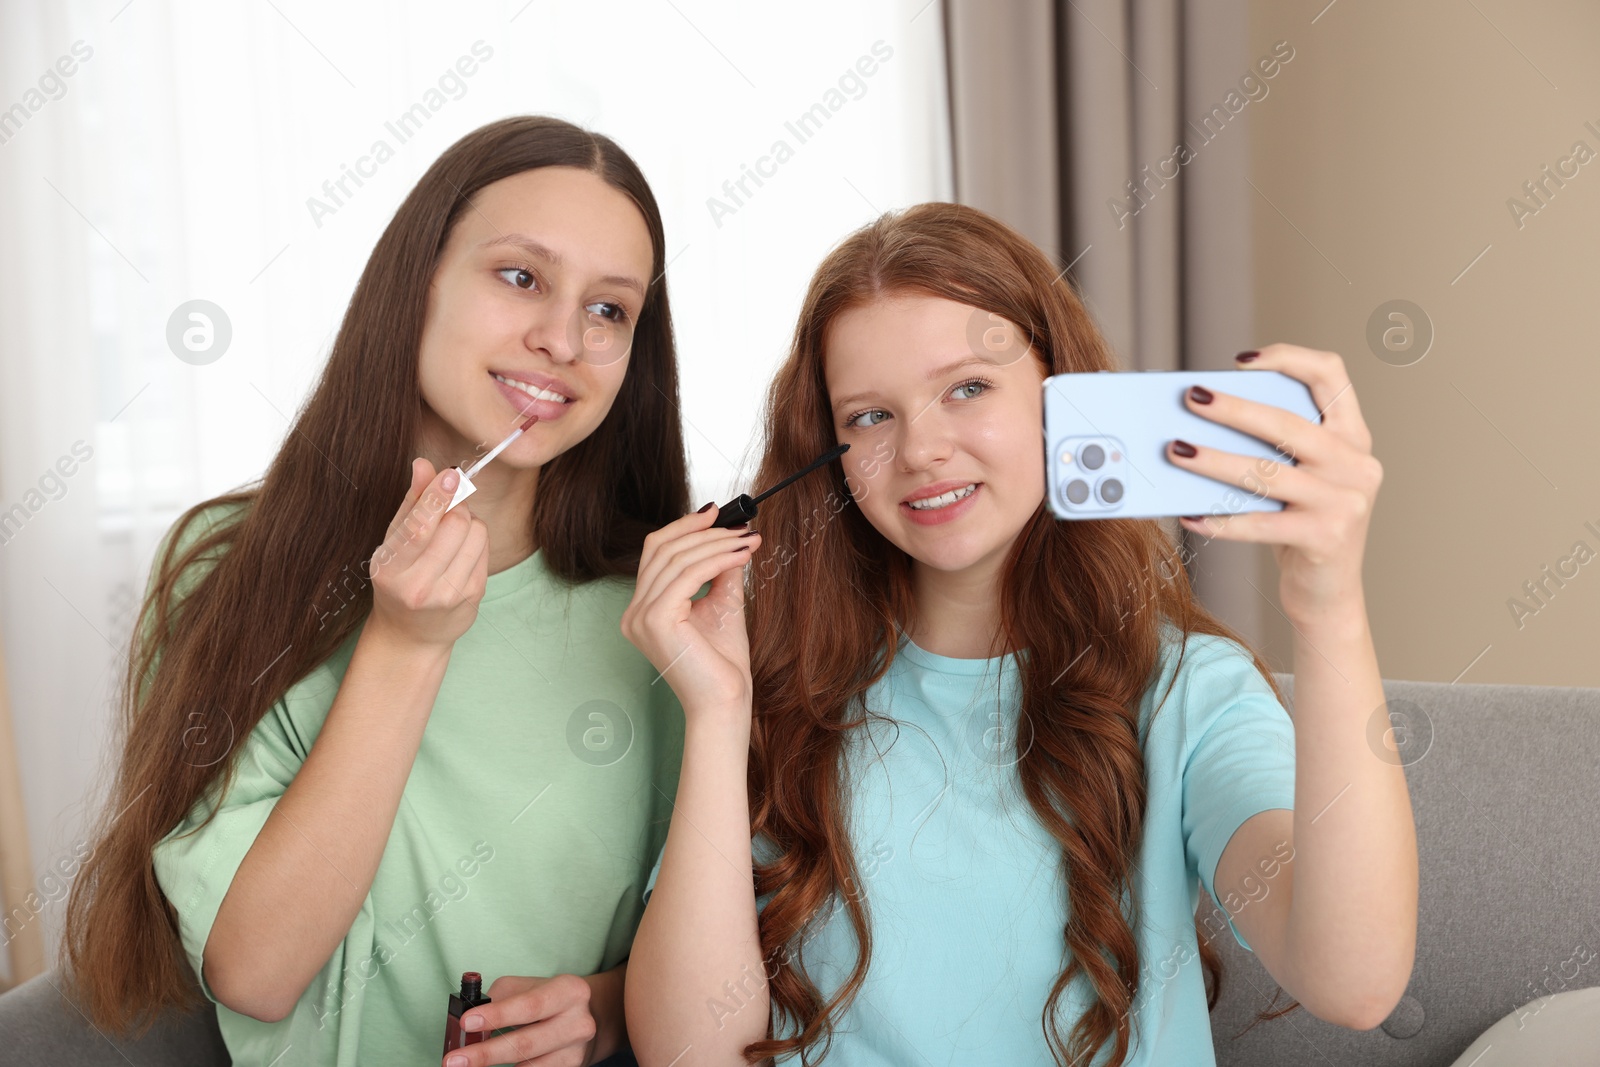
(156, 153)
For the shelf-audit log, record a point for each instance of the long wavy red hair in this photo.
(826, 606)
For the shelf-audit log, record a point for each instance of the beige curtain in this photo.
(1063, 117)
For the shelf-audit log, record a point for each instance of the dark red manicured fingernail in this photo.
(1200, 394)
(1184, 449)
(749, 533)
(1246, 357)
(709, 505)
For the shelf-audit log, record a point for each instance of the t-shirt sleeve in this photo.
(1241, 756)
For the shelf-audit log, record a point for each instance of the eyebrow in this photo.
(933, 375)
(551, 256)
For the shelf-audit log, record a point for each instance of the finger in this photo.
(560, 1058)
(1329, 380)
(422, 473)
(676, 603)
(1258, 476)
(511, 1047)
(518, 1000)
(1256, 527)
(531, 1043)
(668, 556)
(543, 1014)
(464, 566)
(1297, 437)
(444, 546)
(676, 596)
(410, 538)
(1319, 537)
(716, 544)
(659, 542)
(386, 552)
(692, 546)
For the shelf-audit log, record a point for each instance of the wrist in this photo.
(718, 719)
(1336, 600)
(399, 650)
(1333, 624)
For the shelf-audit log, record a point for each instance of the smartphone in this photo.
(1106, 436)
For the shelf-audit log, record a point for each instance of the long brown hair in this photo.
(292, 582)
(1087, 599)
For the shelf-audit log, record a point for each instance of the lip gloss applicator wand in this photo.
(465, 488)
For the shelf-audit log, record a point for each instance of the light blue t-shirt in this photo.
(964, 888)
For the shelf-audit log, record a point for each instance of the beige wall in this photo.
(1393, 142)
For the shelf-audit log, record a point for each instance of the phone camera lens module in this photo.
(1077, 490)
(1110, 490)
(1091, 457)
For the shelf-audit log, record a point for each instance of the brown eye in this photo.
(521, 278)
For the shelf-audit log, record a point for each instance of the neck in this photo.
(503, 498)
(958, 612)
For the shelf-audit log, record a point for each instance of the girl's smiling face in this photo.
(540, 282)
(926, 415)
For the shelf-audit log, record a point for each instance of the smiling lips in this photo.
(535, 394)
(940, 502)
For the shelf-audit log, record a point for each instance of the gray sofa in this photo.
(1505, 789)
(1505, 783)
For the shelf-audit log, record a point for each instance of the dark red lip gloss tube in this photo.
(471, 996)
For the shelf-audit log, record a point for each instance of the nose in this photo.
(548, 332)
(923, 442)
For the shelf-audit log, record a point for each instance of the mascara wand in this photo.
(742, 508)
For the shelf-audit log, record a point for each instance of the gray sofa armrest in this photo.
(38, 1024)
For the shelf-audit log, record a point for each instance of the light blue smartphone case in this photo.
(1106, 436)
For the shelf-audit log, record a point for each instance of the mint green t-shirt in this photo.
(964, 886)
(539, 796)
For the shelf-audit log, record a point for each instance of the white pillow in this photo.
(1557, 1031)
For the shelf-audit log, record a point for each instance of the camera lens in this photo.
(1110, 490)
(1090, 457)
(1077, 490)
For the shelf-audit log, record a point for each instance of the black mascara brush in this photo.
(742, 508)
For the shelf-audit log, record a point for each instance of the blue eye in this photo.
(525, 279)
(980, 382)
(853, 419)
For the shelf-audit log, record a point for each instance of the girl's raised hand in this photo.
(432, 568)
(699, 646)
(1320, 535)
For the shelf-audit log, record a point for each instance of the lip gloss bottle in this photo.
(471, 996)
